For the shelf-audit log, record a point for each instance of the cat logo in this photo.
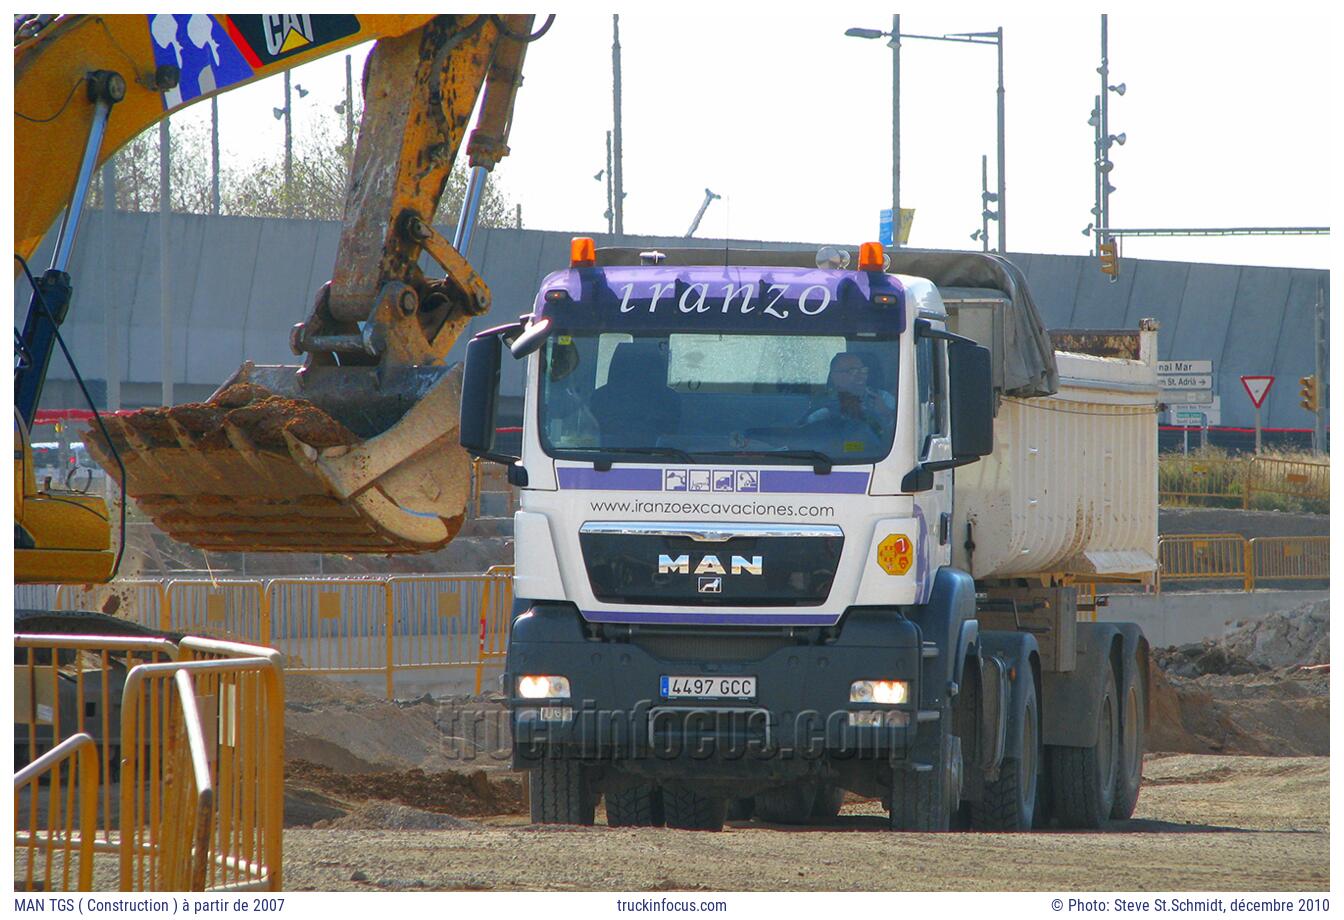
(287, 32)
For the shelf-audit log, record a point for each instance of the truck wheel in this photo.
(828, 803)
(741, 809)
(1129, 776)
(791, 804)
(924, 801)
(1084, 777)
(688, 810)
(560, 792)
(635, 806)
(1009, 803)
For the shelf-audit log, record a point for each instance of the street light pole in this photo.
(895, 45)
(289, 152)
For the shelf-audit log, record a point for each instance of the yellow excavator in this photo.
(356, 449)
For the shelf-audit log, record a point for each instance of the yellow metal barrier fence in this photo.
(140, 600)
(1291, 558)
(64, 832)
(1230, 481)
(67, 685)
(359, 626)
(1205, 557)
(225, 609)
(203, 779)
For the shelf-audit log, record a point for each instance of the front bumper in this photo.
(798, 718)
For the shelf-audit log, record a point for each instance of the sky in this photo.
(789, 121)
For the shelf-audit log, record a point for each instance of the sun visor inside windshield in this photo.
(782, 301)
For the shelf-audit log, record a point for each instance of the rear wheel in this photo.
(635, 806)
(1084, 778)
(688, 810)
(560, 792)
(1129, 776)
(1009, 802)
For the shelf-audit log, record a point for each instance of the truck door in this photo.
(934, 440)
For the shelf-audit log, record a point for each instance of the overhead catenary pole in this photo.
(289, 152)
(1003, 181)
(618, 180)
(165, 267)
(214, 155)
(111, 313)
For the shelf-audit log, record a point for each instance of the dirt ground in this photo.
(417, 795)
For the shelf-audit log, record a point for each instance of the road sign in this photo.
(1185, 367)
(1187, 397)
(1185, 381)
(885, 229)
(1257, 387)
(1188, 418)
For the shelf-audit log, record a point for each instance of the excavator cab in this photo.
(354, 449)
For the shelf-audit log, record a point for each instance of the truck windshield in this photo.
(774, 398)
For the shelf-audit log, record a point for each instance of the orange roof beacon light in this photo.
(582, 252)
(872, 258)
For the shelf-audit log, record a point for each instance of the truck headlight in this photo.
(887, 692)
(543, 687)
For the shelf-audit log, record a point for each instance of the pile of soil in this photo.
(1262, 689)
(259, 414)
(387, 816)
(446, 793)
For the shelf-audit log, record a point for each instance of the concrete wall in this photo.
(239, 284)
(1178, 618)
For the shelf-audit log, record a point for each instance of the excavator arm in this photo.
(355, 450)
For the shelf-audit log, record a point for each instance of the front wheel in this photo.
(1009, 802)
(925, 800)
(560, 792)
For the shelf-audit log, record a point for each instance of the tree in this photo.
(320, 172)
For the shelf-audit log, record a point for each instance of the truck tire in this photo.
(741, 809)
(921, 801)
(791, 804)
(560, 792)
(688, 810)
(635, 806)
(1009, 802)
(828, 803)
(1084, 778)
(1129, 775)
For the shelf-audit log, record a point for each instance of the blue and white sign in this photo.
(200, 47)
(885, 227)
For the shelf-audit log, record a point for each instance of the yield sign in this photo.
(1257, 387)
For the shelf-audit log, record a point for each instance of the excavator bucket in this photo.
(327, 460)
(357, 451)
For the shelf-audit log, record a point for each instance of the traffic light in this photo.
(1311, 400)
(1110, 259)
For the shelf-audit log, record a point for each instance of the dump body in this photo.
(1068, 489)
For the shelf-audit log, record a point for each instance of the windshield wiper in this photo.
(604, 463)
(821, 463)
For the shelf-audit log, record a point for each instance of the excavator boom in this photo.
(356, 449)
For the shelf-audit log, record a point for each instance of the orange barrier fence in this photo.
(61, 834)
(1232, 557)
(192, 736)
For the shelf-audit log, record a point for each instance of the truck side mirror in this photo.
(480, 395)
(972, 400)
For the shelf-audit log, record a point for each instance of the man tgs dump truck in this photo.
(790, 528)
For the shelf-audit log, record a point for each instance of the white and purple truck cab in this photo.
(734, 550)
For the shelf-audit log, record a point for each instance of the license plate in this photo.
(708, 688)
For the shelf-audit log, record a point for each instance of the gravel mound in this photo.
(1264, 689)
